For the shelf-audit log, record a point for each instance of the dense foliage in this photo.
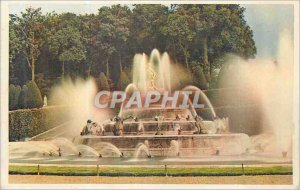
(47, 47)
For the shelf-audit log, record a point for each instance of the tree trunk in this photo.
(174, 51)
(107, 69)
(185, 53)
(32, 69)
(63, 68)
(120, 63)
(186, 60)
(89, 70)
(32, 60)
(210, 69)
(205, 59)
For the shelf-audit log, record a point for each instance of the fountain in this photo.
(87, 150)
(175, 147)
(162, 131)
(163, 127)
(64, 145)
(142, 148)
(108, 149)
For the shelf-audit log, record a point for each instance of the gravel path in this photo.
(271, 179)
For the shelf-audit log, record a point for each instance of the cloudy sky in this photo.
(266, 21)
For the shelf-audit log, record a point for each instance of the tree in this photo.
(121, 21)
(32, 33)
(113, 32)
(146, 26)
(66, 43)
(231, 34)
(14, 39)
(205, 24)
(219, 29)
(88, 28)
(89, 44)
(178, 29)
(34, 97)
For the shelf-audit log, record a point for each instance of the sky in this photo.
(267, 21)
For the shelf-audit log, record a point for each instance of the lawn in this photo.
(150, 171)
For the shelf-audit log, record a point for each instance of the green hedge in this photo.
(27, 123)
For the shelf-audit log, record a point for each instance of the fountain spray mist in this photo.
(269, 84)
(278, 108)
(78, 99)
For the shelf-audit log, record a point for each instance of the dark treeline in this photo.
(47, 47)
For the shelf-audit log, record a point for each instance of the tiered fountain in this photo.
(157, 131)
(137, 133)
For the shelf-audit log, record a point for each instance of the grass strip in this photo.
(144, 171)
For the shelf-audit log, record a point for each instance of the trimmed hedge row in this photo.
(27, 123)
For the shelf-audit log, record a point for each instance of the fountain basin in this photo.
(160, 145)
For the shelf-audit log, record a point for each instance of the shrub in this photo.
(43, 84)
(12, 90)
(16, 97)
(124, 80)
(103, 82)
(34, 97)
(22, 100)
(183, 77)
(199, 79)
(229, 76)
